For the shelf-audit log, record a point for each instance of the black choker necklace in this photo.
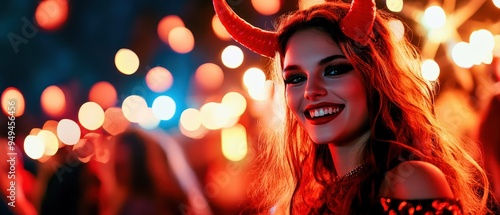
(353, 173)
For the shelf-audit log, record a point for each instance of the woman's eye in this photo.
(294, 79)
(338, 69)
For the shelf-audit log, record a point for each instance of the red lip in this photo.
(323, 119)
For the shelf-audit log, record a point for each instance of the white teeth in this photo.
(323, 111)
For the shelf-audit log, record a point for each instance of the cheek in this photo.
(292, 100)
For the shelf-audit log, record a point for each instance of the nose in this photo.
(314, 89)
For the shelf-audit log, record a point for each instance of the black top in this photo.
(421, 207)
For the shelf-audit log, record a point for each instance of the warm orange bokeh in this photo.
(53, 101)
(209, 76)
(104, 94)
(51, 14)
(13, 102)
(166, 25)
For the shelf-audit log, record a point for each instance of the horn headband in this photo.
(357, 25)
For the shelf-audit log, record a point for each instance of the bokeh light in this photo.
(33, 147)
(50, 142)
(196, 134)
(430, 70)
(234, 142)
(254, 78)
(103, 93)
(68, 131)
(126, 61)
(496, 3)
(397, 29)
(394, 5)
(114, 121)
(266, 7)
(51, 14)
(214, 115)
(53, 101)
(261, 93)
(235, 102)
(496, 49)
(232, 56)
(163, 107)
(462, 55)
(148, 120)
(166, 24)
(190, 119)
(209, 76)
(483, 39)
(181, 40)
(159, 79)
(219, 29)
(132, 106)
(434, 17)
(51, 125)
(91, 115)
(13, 102)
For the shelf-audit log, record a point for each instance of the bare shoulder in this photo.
(415, 180)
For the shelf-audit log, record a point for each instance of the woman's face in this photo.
(323, 91)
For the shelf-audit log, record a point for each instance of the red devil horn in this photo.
(258, 40)
(358, 22)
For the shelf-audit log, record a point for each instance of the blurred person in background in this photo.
(142, 181)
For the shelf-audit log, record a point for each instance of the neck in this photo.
(346, 157)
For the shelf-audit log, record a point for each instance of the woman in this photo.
(359, 134)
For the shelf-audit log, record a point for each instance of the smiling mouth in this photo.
(317, 113)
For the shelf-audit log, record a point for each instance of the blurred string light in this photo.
(496, 3)
(166, 24)
(190, 119)
(13, 94)
(232, 57)
(234, 142)
(209, 76)
(114, 121)
(148, 120)
(53, 101)
(266, 7)
(51, 125)
(51, 14)
(132, 107)
(91, 116)
(196, 134)
(304, 4)
(255, 82)
(126, 61)
(479, 50)
(181, 40)
(394, 5)
(430, 70)
(33, 146)
(235, 102)
(159, 79)
(219, 29)
(163, 107)
(434, 17)
(462, 55)
(50, 142)
(68, 131)
(441, 30)
(214, 115)
(496, 48)
(103, 93)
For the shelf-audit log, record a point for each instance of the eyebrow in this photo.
(320, 63)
